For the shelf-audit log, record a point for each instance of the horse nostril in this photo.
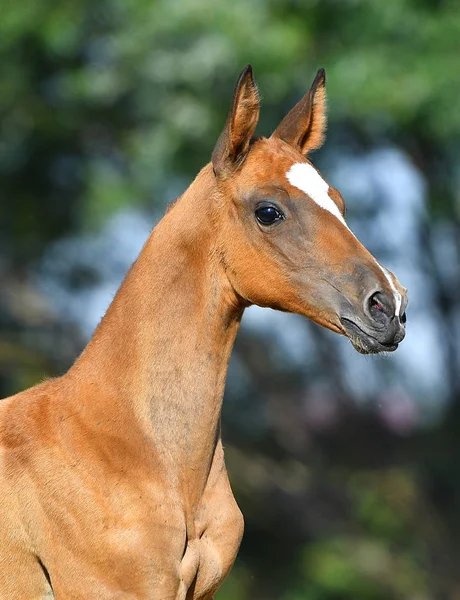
(403, 318)
(377, 307)
(374, 303)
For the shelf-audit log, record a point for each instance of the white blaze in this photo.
(307, 179)
(397, 295)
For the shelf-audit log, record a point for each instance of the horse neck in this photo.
(164, 345)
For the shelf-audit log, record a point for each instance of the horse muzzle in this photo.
(378, 328)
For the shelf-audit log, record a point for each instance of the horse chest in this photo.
(213, 534)
(209, 556)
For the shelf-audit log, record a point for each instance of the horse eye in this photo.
(267, 215)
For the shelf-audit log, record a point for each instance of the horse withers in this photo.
(112, 477)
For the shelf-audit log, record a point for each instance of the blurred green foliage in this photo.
(118, 103)
(112, 102)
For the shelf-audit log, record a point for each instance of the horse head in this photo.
(283, 236)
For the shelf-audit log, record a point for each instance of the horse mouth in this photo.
(362, 341)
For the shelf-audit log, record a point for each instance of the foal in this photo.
(112, 477)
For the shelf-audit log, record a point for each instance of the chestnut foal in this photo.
(112, 477)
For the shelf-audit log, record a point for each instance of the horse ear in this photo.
(233, 143)
(304, 127)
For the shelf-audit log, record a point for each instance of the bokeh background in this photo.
(346, 467)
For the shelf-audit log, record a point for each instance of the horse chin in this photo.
(363, 348)
(364, 343)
